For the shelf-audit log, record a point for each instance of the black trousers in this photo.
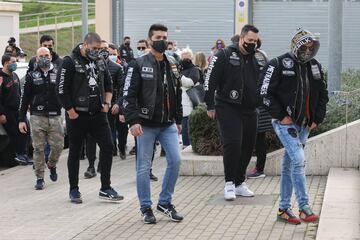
(98, 127)
(238, 134)
(260, 149)
(120, 130)
(17, 139)
(90, 150)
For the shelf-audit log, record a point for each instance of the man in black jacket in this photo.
(9, 105)
(40, 94)
(84, 88)
(152, 106)
(233, 75)
(294, 91)
(126, 52)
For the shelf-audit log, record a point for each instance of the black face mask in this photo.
(250, 47)
(186, 63)
(127, 44)
(160, 46)
(104, 54)
(91, 54)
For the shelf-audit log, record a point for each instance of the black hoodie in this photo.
(9, 92)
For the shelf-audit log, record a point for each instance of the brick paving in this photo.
(48, 214)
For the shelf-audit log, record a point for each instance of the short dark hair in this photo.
(170, 43)
(235, 39)
(45, 38)
(92, 37)
(113, 46)
(248, 28)
(156, 27)
(144, 41)
(126, 37)
(5, 58)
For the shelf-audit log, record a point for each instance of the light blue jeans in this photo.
(168, 137)
(293, 137)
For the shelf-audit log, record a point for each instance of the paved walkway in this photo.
(48, 214)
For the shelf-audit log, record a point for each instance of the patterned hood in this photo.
(304, 45)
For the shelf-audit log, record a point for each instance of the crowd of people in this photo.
(107, 92)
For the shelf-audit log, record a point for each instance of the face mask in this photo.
(219, 46)
(12, 67)
(51, 50)
(92, 55)
(304, 56)
(159, 46)
(113, 58)
(104, 54)
(44, 63)
(127, 44)
(249, 47)
(185, 63)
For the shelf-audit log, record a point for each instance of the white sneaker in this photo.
(243, 190)
(229, 191)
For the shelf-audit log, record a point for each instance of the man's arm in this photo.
(323, 99)
(26, 98)
(213, 76)
(268, 91)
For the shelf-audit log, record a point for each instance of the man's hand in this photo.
(22, 127)
(286, 121)
(136, 130)
(122, 118)
(73, 114)
(211, 114)
(3, 119)
(115, 109)
(313, 126)
(105, 108)
(179, 128)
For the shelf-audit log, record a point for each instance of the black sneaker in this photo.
(148, 216)
(110, 194)
(153, 177)
(53, 174)
(75, 196)
(90, 172)
(21, 159)
(170, 212)
(122, 155)
(132, 151)
(39, 184)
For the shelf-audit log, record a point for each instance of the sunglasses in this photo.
(304, 48)
(141, 48)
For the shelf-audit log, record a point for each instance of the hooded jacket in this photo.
(10, 92)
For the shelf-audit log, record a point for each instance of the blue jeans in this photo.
(168, 137)
(293, 137)
(185, 131)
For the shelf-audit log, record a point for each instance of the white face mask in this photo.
(113, 58)
(140, 53)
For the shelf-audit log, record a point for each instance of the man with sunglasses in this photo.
(126, 52)
(295, 94)
(152, 106)
(84, 88)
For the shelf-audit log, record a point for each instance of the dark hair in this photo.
(104, 41)
(45, 38)
(258, 43)
(156, 27)
(170, 43)
(92, 37)
(5, 58)
(113, 46)
(144, 41)
(235, 39)
(126, 38)
(248, 28)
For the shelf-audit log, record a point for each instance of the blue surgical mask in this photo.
(12, 67)
(140, 53)
(113, 58)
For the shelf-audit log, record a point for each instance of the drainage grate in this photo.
(262, 200)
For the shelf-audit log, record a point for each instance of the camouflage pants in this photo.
(46, 129)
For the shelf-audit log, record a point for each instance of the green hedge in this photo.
(205, 138)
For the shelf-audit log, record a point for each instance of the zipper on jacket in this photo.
(302, 95)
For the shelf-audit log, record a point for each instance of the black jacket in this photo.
(143, 91)
(9, 92)
(73, 81)
(117, 75)
(234, 78)
(56, 61)
(126, 53)
(191, 71)
(284, 91)
(40, 93)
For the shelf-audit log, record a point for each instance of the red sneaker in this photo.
(288, 216)
(307, 215)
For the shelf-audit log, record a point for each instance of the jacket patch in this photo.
(53, 77)
(147, 69)
(288, 73)
(288, 110)
(266, 81)
(234, 56)
(316, 72)
(288, 63)
(211, 67)
(145, 111)
(40, 107)
(234, 94)
(127, 81)
(36, 75)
